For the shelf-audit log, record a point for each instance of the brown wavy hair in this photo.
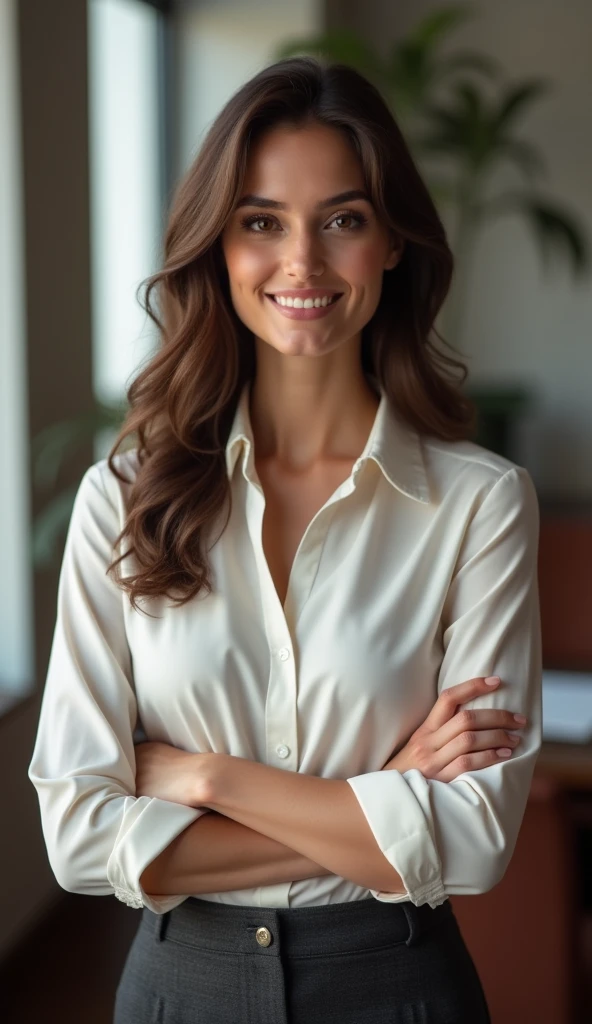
(183, 402)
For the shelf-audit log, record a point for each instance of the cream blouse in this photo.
(419, 572)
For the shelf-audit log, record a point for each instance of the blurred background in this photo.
(103, 105)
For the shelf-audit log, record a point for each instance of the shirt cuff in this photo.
(435, 895)
(403, 834)
(149, 825)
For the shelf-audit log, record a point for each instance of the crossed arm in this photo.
(269, 826)
(217, 854)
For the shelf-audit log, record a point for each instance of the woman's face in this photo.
(291, 232)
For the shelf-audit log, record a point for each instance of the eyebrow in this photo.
(272, 204)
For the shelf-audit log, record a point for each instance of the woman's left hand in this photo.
(169, 773)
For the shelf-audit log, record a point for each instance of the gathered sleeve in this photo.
(457, 837)
(99, 836)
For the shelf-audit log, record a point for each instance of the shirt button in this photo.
(263, 936)
(282, 750)
(284, 653)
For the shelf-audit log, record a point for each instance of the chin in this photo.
(303, 347)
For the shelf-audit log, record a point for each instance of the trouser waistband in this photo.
(297, 931)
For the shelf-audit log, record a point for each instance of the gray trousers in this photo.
(361, 962)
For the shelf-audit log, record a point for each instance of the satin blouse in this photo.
(419, 572)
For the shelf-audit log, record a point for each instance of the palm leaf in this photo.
(50, 449)
(414, 68)
(470, 130)
(468, 61)
(516, 98)
(53, 445)
(435, 26)
(50, 527)
(460, 130)
(556, 231)
(527, 157)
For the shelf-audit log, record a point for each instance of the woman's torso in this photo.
(320, 646)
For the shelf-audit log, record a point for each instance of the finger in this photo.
(472, 762)
(472, 719)
(468, 743)
(449, 699)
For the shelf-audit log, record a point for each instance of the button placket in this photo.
(280, 708)
(281, 720)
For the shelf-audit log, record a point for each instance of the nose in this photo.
(302, 256)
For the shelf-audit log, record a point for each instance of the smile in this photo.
(304, 312)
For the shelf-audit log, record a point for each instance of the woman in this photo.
(329, 615)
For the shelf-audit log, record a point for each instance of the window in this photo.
(16, 577)
(127, 186)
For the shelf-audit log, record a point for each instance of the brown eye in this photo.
(358, 220)
(255, 219)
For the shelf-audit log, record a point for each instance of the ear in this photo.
(395, 253)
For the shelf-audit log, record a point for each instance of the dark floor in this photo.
(67, 972)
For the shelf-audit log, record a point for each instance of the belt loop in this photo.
(161, 926)
(413, 920)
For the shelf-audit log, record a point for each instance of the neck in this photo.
(306, 411)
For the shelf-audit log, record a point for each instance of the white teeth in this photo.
(304, 303)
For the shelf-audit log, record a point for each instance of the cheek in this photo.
(362, 264)
(247, 265)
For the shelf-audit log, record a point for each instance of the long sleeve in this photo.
(458, 837)
(99, 835)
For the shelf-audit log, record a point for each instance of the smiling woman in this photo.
(338, 206)
(321, 569)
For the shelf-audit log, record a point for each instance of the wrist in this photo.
(209, 779)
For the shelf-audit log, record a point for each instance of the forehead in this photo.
(304, 158)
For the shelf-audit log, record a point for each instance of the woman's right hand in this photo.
(450, 742)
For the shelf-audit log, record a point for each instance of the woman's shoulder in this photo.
(100, 475)
(471, 467)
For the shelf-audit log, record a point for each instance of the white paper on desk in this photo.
(567, 706)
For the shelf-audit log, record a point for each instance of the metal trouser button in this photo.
(263, 936)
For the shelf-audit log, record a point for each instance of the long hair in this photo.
(183, 402)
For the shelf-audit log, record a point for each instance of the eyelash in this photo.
(360, 219)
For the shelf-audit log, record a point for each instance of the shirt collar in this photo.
(393, 444)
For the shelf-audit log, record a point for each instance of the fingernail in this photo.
(492, 680)
(504, 751)
(521, 719)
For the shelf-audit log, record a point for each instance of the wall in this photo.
(222, 43)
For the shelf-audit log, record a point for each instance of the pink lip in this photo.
(315, 313)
